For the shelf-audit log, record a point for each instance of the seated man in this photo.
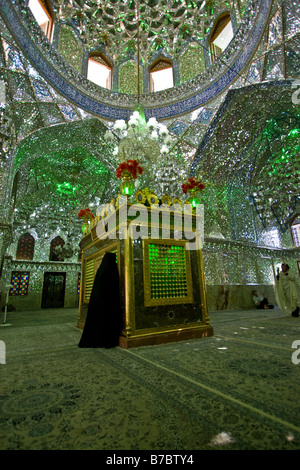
(260, 301)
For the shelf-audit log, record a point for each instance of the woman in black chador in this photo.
(103, 322)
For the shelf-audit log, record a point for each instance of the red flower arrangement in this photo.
(85, 214)
(129, 168)
(192, 184)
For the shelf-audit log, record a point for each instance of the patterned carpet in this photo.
(237, 390)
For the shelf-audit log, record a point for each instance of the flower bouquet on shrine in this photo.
(192, 186)
(127, 172)
(129, 169)
(86, 214)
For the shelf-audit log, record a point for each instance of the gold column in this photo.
(129, 285)
(202, 286)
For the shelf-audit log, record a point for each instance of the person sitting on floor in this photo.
(260, 301)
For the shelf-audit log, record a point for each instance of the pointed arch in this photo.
(220, 36)
(25, 248)
(57, 241)
(100, 70)
(161, 74)
(295, 230)
(43, 13)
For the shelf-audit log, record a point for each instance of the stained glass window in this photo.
(19, 282)
(25, 249)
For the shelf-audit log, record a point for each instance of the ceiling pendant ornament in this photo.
(145, 141)
(115, 24)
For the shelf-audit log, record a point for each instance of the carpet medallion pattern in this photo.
(179, 396)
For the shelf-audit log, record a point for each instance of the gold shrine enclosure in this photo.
(161, 282)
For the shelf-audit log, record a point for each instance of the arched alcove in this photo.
(25, 248)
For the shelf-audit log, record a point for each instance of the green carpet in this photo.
(237, 390)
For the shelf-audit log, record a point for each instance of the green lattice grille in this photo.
(167, 265)
(78, 283)
(89, 279)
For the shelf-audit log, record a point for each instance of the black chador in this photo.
(103, 322)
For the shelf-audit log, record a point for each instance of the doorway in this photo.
(54, 290)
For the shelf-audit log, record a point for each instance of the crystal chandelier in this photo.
(66, 250)
(140, 140)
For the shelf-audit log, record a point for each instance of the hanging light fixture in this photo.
(66, 250)
(140, 140)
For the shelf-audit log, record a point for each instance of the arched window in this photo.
(221, 35)
(100, 70)
(43, 15)
(25, 249)
(295, 229)
(161, 75)
(54, 243)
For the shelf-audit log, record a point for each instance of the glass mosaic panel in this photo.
(275, 30)
(191, 62)
(70, 47)
(255, 71)
(68, 112)
(41, 90)
(211, 268)
(12, 57)
(20, 88)
(243, 4)
(206, 116)
(27, 119)
(274, 65)
(50, 113)
(178, 128)
(128, 82)
(227, 268)
(247, 269)
(291, 18)
(19, 282)
(265, 271)
(292, 57)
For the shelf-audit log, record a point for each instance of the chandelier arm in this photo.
(138, 51)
